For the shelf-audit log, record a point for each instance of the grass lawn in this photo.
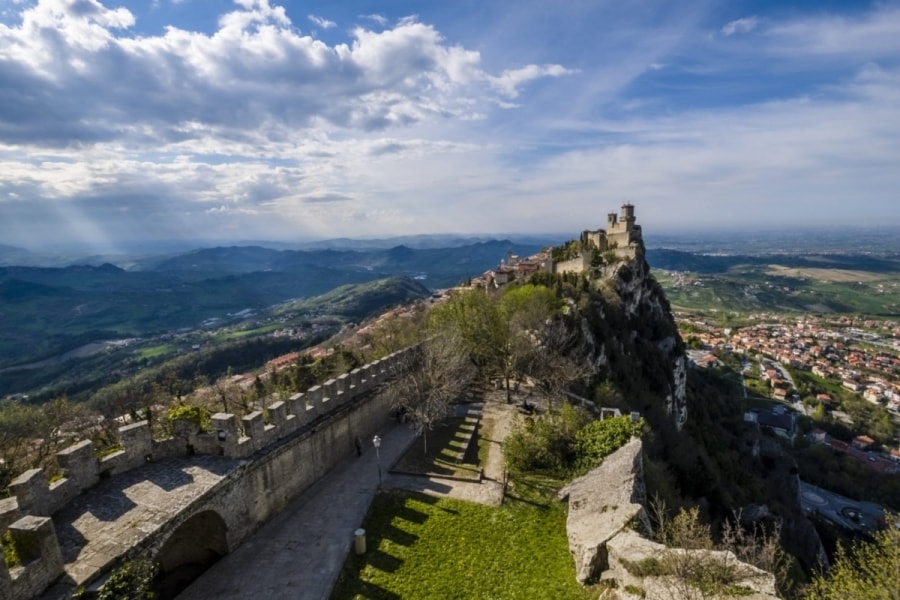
(424, 547)
(155, 351)
(242, 333)
(448, 451)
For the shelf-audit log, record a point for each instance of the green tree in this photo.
(500, 332)
(30, 436)
(867, 571)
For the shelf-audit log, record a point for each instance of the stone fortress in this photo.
(156, 498)
(189, 499)
(622, 236)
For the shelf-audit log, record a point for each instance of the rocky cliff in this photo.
(606, 526)
(626, 323)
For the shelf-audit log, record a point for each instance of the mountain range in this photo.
(47, 310)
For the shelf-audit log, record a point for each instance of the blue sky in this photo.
(254, 119)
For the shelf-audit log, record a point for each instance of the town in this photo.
(831, 357)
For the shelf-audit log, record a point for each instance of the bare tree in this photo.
(557, 358)
(30, 436)
(435, 374)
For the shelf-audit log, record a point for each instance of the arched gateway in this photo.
(193, 548)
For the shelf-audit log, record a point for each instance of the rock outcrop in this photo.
(594, 517)
(606, 518)
(626, 322)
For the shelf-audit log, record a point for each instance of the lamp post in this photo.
(376, 441)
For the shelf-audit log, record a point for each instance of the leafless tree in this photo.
(435, 374)
(557, 358)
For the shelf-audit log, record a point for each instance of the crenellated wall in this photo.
(622, 235)
(286, 449)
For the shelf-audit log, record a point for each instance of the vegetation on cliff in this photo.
(867, 570)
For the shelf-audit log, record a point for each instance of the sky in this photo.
(264, 120)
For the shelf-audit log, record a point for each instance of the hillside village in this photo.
(859, 355)
(844, 349)
(622, 239)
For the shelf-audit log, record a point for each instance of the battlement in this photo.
(26, 515)
(622, 235)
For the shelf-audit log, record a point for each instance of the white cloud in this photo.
(744, 25)
(321, 22)
(511, 80)
(376, 18)
(255, 130)
(872, 34)
(254, 77)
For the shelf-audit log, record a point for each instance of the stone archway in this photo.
(193, 548)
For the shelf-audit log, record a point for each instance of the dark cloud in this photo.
(326, 198)
(388, 148)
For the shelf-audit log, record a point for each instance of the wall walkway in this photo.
(140, 501)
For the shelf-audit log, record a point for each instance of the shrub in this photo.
(545, 444)
(133, 580)
(198, 415)
(566, 443)
(10, 553)
(599, 439)
(868, 570)
(19, 550)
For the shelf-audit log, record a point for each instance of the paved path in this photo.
(299, 554)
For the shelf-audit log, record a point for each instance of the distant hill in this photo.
(51, 310)
(679, 260)
(360, 300)
(437, 267)
(12, 255)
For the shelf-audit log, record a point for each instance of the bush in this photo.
(599, 439)
(868, 570)
(545, 444)
(566, 443)
(198, 415)
(133, 580)
(20, 550)
(10, 553)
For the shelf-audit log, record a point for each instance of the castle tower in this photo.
(628, 216)
(612, 221)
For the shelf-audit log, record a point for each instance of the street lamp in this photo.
(376, 441)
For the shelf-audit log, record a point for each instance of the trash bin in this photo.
(359, 541)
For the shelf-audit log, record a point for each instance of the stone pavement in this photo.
(104, 522)
(299, 553)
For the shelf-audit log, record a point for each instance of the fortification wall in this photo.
(302, 439)
(573, 265)
(265, 486)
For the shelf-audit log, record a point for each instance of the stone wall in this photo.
(301, 439)
(574, 265)
(605, 524)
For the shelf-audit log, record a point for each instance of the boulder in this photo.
(601, 504)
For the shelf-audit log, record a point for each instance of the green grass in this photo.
(155, 351)
(242, 333)
(448, 451)
(425, 547)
